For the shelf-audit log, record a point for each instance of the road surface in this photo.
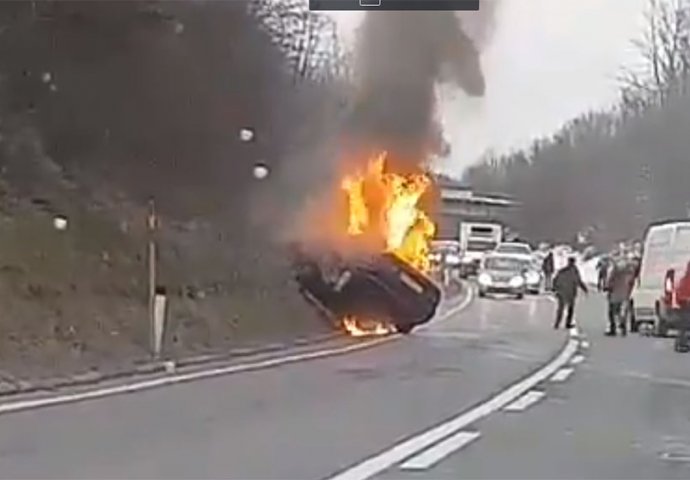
(371, 413)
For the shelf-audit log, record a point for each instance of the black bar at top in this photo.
(348, 5)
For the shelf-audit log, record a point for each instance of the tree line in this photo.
(609, 173)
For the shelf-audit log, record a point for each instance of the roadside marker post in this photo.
(156, 306)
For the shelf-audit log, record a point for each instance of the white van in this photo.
(666, 246)
(476, 239)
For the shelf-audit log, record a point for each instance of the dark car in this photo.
(380, 286)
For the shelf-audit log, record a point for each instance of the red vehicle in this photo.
(676, 303)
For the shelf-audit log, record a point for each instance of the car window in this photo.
(519, 249)
(479, 246)
(507, 264)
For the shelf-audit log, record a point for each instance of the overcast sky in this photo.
(547, 62)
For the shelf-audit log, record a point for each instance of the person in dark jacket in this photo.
(602, 271)
(566, 285)
(619, 288)
(547, 268)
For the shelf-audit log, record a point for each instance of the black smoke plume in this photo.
(401, 57)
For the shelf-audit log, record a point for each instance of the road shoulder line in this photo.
(175, 378)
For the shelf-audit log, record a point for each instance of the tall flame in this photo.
(385, 205)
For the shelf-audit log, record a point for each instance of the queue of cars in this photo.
(511, 268)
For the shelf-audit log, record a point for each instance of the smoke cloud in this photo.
(401, 57)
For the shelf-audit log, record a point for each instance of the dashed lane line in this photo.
(431, 456)
(577, 359)
(525, 401)
(563, 374)
(405, 449)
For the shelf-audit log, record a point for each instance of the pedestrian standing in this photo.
(566, 285)
(619, 288)
(547, 268)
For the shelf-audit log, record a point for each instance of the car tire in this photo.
(482, 294)
(520, 296)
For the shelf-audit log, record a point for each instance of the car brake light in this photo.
(669, 289)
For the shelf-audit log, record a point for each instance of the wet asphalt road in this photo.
(622, 409)
(623, 413)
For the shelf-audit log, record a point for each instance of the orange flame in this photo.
(360, 328)
(385, 205)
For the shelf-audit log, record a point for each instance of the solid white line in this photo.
(448, 314)
(19, 405)
(562, 375)
(525, 401)
(378, 463)
(435, 454)
(186, 377)
(577, 359)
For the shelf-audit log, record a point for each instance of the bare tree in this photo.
(308, 40)
(665, 50)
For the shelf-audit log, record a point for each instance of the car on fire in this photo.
(373, 286)
(506, 274)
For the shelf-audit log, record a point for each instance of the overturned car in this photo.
(380, 286)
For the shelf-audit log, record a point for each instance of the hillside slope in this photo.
(104, 105)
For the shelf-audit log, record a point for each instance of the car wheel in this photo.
(482, 294)
(520, 296)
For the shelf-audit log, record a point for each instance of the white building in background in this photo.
(459, 203)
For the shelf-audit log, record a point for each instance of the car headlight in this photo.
(532, 277)
(517, 282)
(484, 279)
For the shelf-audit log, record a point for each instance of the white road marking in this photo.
(574, 332)
(584, 344)
(525, 401)
(431, 456)
(384, 460)
(186, 377)
(19, 405)
(450, 334)
(577, 359)
(562, 375)
(444, 316)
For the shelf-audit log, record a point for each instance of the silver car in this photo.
(501, 273)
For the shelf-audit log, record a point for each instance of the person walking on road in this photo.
(619, 288)
(566, 284)
(602, 272)
(547, 268)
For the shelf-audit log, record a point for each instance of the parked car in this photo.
(502, 273)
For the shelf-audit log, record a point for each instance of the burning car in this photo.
(371, 276)
(377, 293)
